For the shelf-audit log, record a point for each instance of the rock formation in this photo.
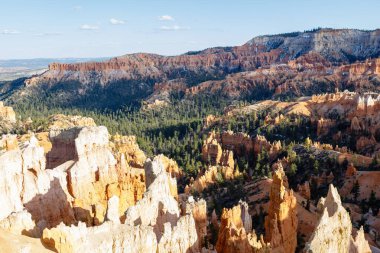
(20, 244)
(240, 143)
(261, 143)
(128, 146)
(7, 114)
(333, 231)
(304, 190)
(26, 183)
(301, 52)
(212, 150)
(59, 122)
(199, 211)
(281, 222)
(351, 170)
(322, 179)
(7, 118)
(233, 236)
(82, 178)
(211, 176)
(154, 224)
(113, 210)
(359, 244)
(324, 125)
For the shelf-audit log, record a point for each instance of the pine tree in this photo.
(356, 190)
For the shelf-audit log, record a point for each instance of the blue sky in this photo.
(101, 28)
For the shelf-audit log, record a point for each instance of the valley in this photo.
(272, 146)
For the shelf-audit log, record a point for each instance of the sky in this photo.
(106, 28)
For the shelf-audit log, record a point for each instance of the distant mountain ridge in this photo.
(41, 63)
(18, 68)
(135, 77)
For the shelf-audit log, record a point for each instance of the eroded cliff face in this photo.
(154, 224)
(75, 188)
(211, 176)
(235, 232)
(281, 222)
(338, 116)
(127, 145)
(306, 73)
(7, 118)
(333, 231)
(7, 114)
(26, 184)
(260, 51)
(256, 69)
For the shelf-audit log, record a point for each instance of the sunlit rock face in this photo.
(95, 175)
(27, 184)
(306, 56)
(7, 113)
(83, 176)
(13, 243)
(233, 236)
(199, 211)
(333, 231)
(128, 146)
(154, 224)
(281, 222)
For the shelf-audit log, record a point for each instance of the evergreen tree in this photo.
(356, 190)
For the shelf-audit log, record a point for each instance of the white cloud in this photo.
(89, 27)
(9, 32)
(174, 28)
(115, 21)
(165, 18)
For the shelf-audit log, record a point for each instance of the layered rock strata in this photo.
(154, 224)
(281, 222)
(233, 236)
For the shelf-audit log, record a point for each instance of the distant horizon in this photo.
(109, 57)
(98, 28)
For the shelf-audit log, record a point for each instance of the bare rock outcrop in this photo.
(199, 211)
(304, 190)
(26, 184)
(128, 146)
(85, 176)
(260, 143)
(154, 224)
(113, 210)
(359, 244)
(59, 122)
(158, 206)
(20, 244)
(212, 150)
(93, 173)
(233, 236)
(107, 237)
(211, 176)
(333, 231)
(7, 114)
(281, 222)
(351, 170)
(153, 168)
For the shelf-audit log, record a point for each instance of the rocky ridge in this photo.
(294, 63)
